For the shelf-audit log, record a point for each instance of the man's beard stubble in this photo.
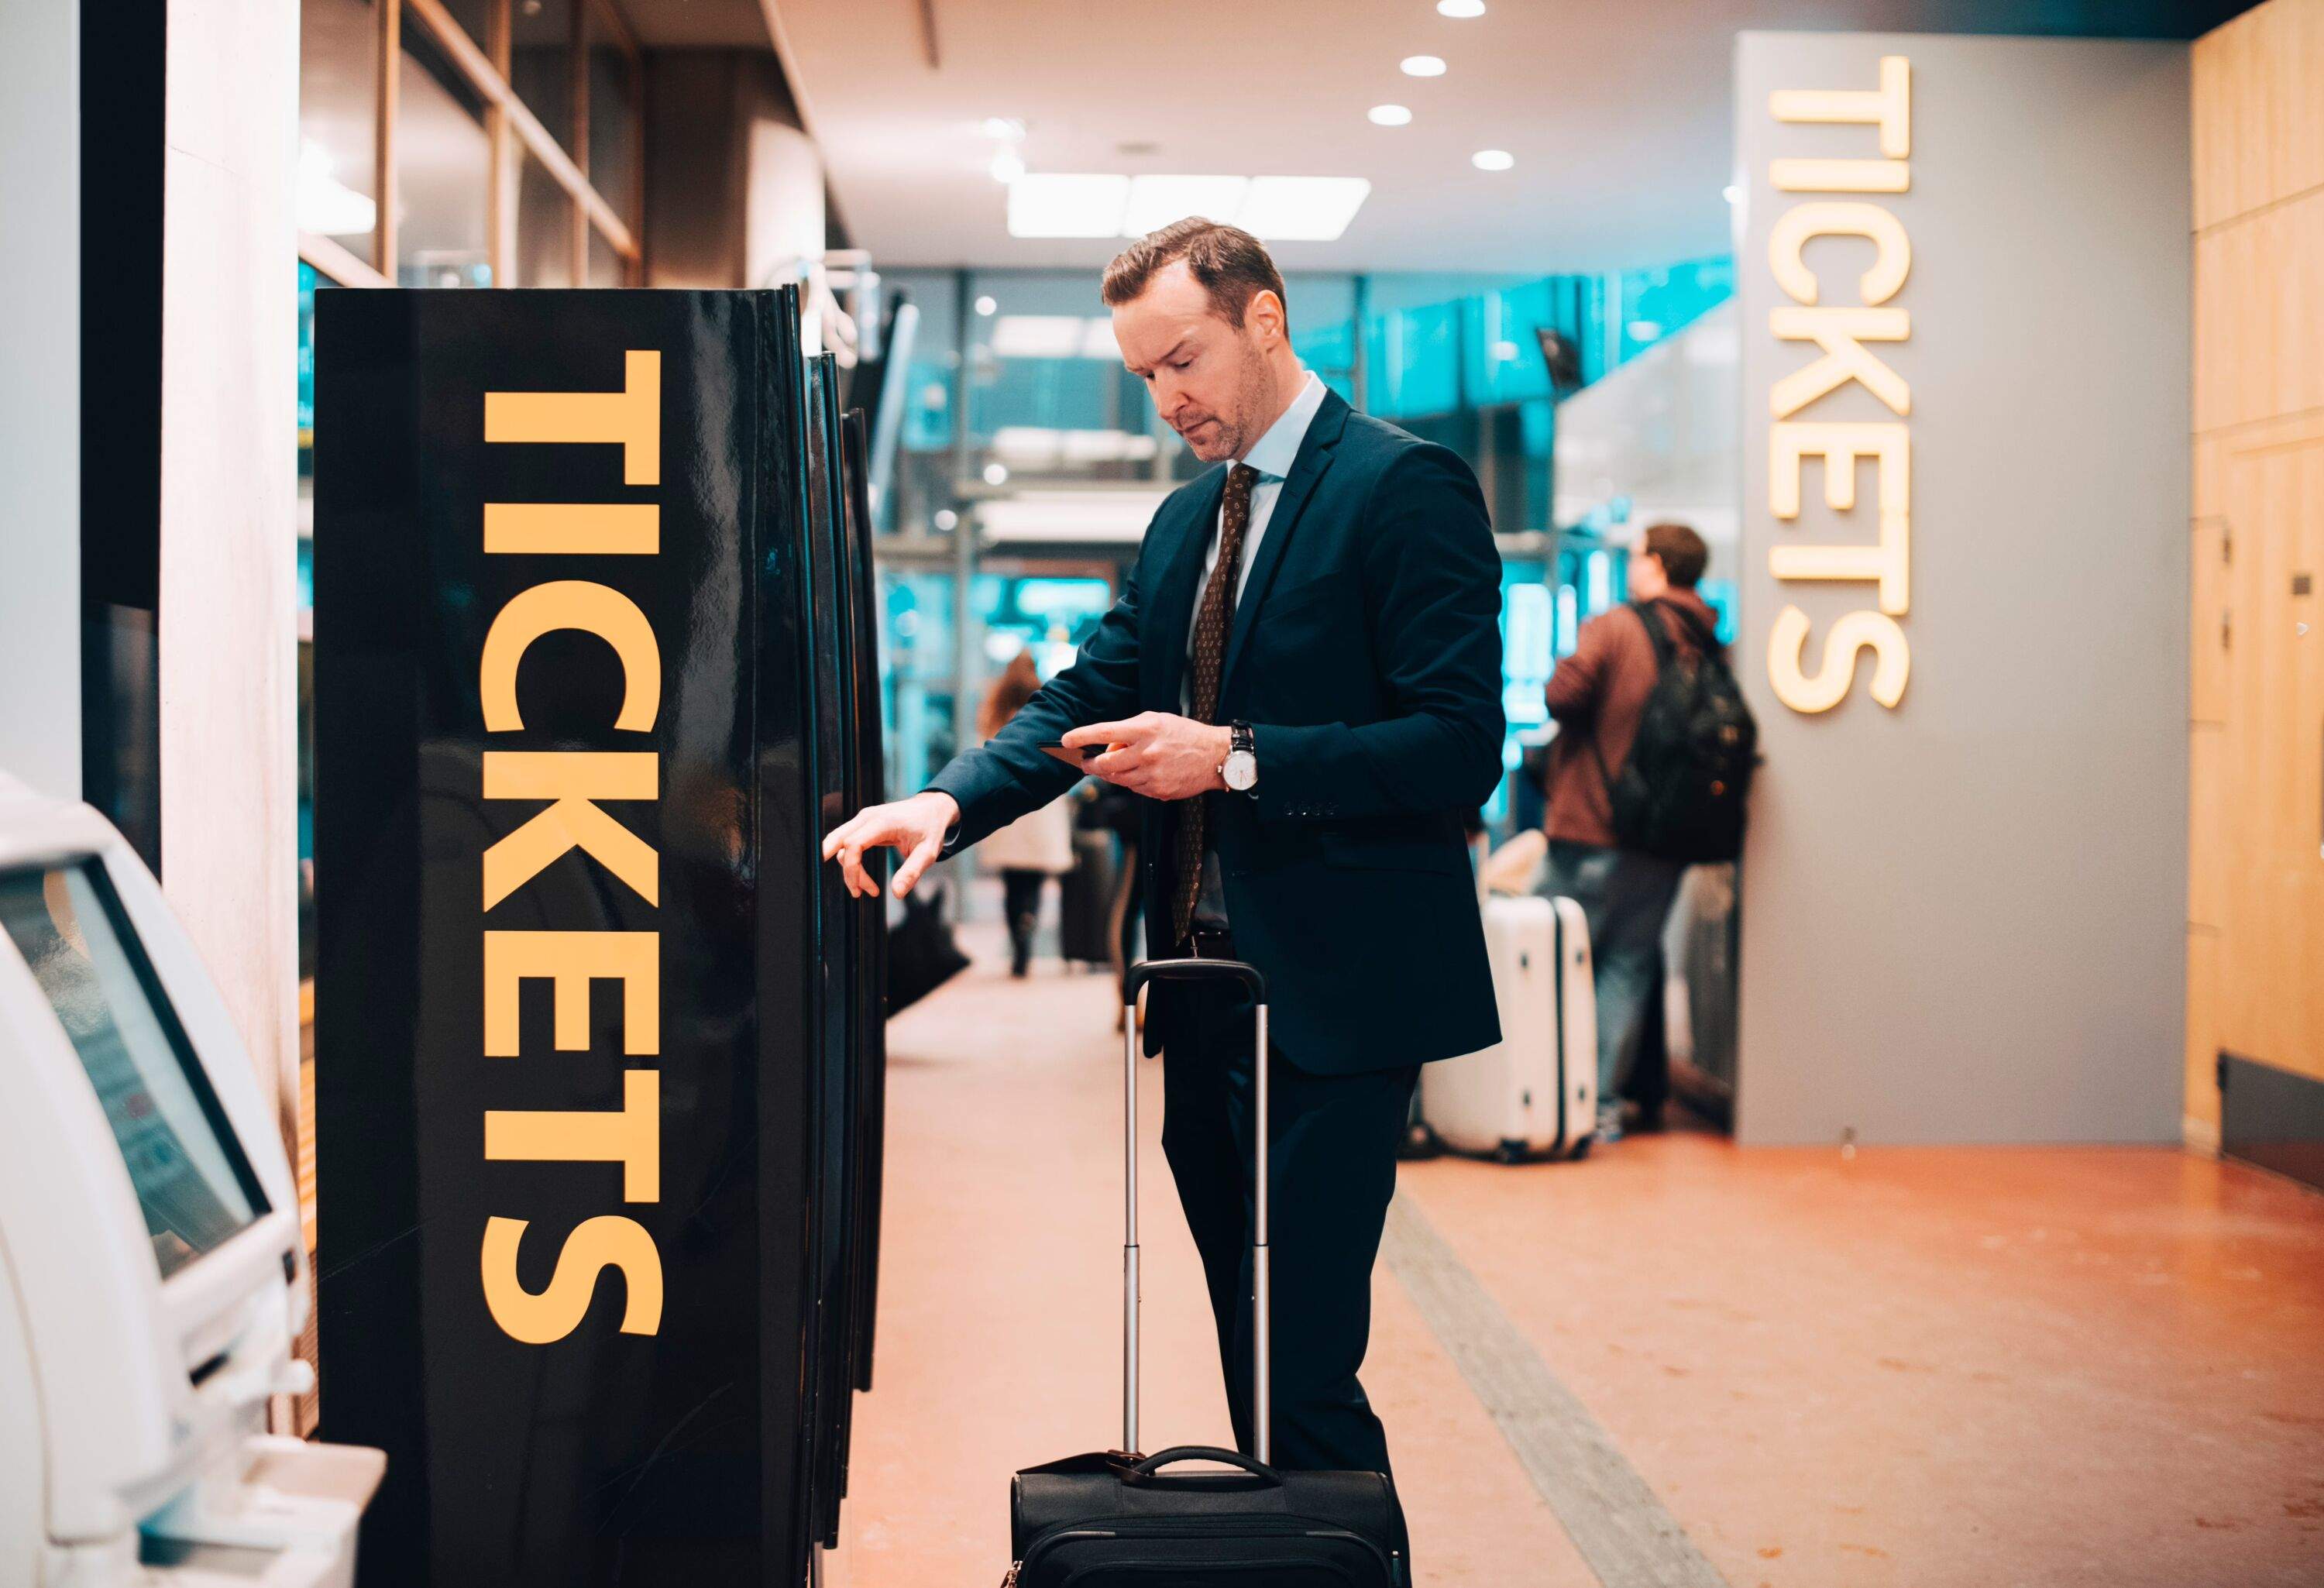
(1253, 388)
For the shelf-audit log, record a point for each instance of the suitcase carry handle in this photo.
(1189, 970)
(1194, 970)
(1153, 1464)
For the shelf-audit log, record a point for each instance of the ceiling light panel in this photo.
(1097, 338)
(1424, 66)
(1154, 201)
(1302, 209)
(1039, 335)
(1389, 116)
(1052, 204)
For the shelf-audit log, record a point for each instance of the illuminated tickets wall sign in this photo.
(566, 917)
(1846, 323)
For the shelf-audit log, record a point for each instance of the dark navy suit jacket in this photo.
(1366, 654)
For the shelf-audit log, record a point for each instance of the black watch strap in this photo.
(1240, 737)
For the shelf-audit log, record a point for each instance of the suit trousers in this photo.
(1332, 1171)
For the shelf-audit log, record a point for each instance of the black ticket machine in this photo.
(599, 1038)
(152, 1272)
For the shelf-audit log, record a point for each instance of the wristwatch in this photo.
(1241, 767)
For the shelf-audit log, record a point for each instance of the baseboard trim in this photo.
(2271, 1117)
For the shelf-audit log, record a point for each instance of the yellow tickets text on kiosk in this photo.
(568, 784)
(1844, 335)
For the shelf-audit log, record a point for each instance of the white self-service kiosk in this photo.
(152, 1272)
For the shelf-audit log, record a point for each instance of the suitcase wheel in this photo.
(1510, 1151)
(1581, 1150)
(1420, 1142)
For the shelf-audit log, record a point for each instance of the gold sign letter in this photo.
(571, 961)
(1889, 105)
(572, 779)
(1889, 446)
(1840, 176)
(1892, 660)
(1792, 230)
(620, 529)
(629, 419)
(571, 603)
(1841, 333)
(607, 1241)
(629, 1136)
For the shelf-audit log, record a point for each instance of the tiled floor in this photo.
(1917, 1367)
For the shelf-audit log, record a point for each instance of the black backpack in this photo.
(1680, 795)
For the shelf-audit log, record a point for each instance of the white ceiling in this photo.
(1617, 112)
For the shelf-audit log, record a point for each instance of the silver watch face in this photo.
(1241, 770)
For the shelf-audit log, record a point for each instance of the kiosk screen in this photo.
(191, 1178)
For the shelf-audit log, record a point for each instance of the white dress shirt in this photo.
(1272, 455)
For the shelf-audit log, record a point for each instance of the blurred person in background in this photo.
(1036, 845)
(1597, 697)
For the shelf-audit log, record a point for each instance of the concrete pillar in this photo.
(227, 596)
(39, 403)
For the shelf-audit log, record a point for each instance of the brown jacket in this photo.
(1597, 696)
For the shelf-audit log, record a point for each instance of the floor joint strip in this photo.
(1618, 1524)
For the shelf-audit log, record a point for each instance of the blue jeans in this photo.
(1627, 897)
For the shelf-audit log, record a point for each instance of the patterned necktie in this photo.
(1203, 691)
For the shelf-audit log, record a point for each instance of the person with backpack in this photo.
(1647, 775)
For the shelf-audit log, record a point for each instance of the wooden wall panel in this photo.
(2206, 802)
(2209, 636)
(2271, 840)
(2259, 116)
(2259, 315)
(2255, 741)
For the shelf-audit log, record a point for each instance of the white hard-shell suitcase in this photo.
(1533, 1093)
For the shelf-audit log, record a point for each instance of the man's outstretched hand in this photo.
(1156, 754)
(915, 828)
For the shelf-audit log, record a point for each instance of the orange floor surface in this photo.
(1920, 1367)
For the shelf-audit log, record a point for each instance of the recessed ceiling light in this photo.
(1007, 128)
(986, 304)
(1492, 159)
(1302, 209)
(1155, 201)
(1052, 204)
(1389, 116)
(1461, 8)
(1424, 66)
(1731, 193)
(1007, 166)
(996, 473)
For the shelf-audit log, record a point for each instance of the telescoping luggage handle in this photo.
(1192, 970)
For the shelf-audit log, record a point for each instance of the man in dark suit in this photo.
(1302, 678)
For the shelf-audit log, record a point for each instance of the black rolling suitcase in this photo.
(1118, 1519)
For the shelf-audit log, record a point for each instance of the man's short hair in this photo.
(1680, 551)
(1231, 265)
